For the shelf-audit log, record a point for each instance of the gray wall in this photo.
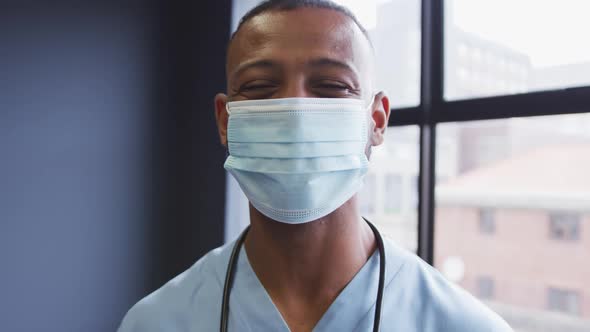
(111, 178)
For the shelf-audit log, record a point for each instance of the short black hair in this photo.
(283, 5)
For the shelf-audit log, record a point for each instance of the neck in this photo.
(309, 263)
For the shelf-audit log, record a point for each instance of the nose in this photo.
(294, 86)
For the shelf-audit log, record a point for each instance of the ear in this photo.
(221, 117)
(380, 112)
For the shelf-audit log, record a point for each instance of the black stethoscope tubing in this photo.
(233, 260)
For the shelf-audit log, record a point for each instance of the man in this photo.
(299, 120)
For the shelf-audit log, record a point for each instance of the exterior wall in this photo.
(519, 256)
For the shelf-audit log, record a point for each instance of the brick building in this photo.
(516, 233)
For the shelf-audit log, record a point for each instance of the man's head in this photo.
(284, 5)
(305, 48)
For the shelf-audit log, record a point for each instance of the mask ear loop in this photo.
(227, 147)
(371, 101)
(369, 112)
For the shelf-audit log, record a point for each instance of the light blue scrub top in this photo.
(416, 298)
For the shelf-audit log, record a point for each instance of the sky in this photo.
(551, 32)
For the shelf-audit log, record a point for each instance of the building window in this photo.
(487, 223)
(563, 300)
(564, 226)
(485, 287)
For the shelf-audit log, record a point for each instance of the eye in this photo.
(331, 88)
(257, 85)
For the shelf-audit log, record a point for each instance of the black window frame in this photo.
(434, 109)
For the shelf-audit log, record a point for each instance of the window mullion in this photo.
(430, 102)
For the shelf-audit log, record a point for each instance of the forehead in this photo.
(297, 35)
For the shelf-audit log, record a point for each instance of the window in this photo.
(487, 224)
(368, 194)
(525, 171)
(562, 300)
(485, 288)
(388, 195)
(512, 53)
(398, 62)
(393, 193)
(415, 183)
(564, 226)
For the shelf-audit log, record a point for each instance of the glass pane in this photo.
(394, 28)
(504, 46)
(513, 217)
(389, 197)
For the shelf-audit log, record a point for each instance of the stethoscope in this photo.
(233, 260)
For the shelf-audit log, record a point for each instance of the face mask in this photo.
(297, 159)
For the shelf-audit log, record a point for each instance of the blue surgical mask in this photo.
(297, 159)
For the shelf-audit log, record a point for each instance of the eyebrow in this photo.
(254, 64)
(319, 62)
(329, 62)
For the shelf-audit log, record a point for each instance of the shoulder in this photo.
(175, 302)
(439, 305)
